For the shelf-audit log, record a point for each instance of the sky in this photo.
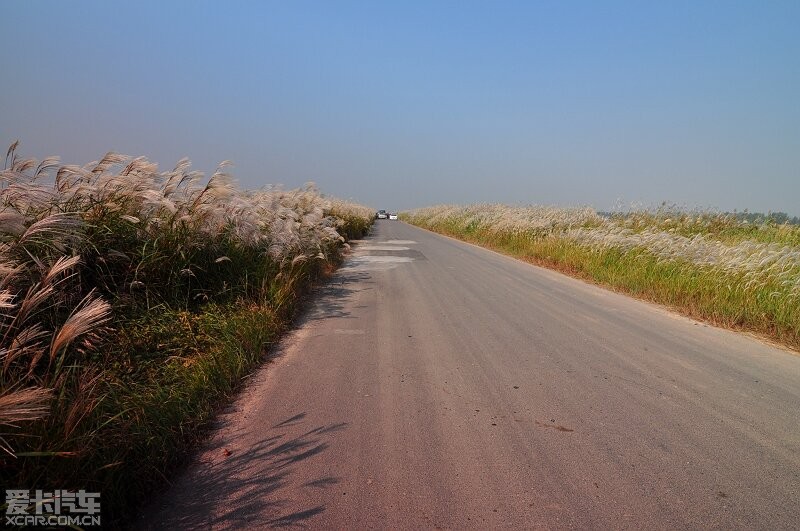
(406, 104)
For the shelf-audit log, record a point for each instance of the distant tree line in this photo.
(778, 218)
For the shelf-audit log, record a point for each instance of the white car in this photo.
(392, 216)
(381, 214)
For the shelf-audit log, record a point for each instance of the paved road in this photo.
(436, 384)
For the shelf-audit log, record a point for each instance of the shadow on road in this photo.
(331, 298)
(235, 489)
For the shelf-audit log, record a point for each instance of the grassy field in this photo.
(711, 266)
(133, 303)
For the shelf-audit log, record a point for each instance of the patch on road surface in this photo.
(411, 253)
(381, 255)
(383, 248)
(374, 263)
(399, 242)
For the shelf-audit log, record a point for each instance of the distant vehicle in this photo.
(392, 216)
(381, 214)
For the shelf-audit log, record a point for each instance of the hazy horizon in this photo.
(414, 104)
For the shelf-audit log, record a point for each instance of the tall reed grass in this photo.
(709, 265)
(132, 300)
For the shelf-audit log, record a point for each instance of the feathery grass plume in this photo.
(109, 160)
(84, 400)
(24, 405)
(54, 231)
(63, 264)
(12, 222)
(44, 167)
(35, 298)
(6, 301)
(10, 153)
(18, 406)
(9, 270)
(27, 343)
(91, 313)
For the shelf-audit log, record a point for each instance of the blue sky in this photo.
(406, 104)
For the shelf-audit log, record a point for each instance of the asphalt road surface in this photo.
(434, 384)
